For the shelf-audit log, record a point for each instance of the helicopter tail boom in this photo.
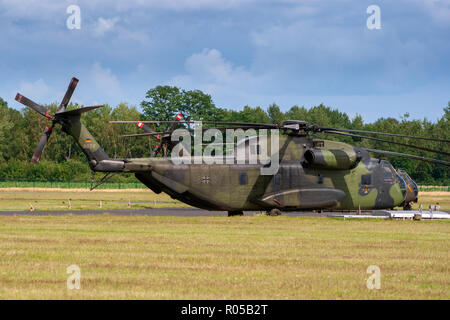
(97, 157)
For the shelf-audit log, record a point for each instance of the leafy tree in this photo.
(21, 130)
(275, 113)
(165, 102)
(5, 126)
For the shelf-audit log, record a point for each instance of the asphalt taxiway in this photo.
(180, 212)
(193, 212)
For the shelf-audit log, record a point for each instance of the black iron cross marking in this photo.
(206, 179)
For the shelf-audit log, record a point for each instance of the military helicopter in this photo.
(312, 173)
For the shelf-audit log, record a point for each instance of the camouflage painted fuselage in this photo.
(298, 185)
(312, 174)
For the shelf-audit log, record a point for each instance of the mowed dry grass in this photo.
(433, 197)
(257, 257)
(58, 199)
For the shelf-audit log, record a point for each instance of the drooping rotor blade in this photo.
(33, 105)
(239, 124)
(381, 133)
(165, 140)
(157, 147)
(144, 127)
(174, 124)
(188, 129)
(387, 141)
(405, 155)
(166, 134)
(147, 134)
(41, 144)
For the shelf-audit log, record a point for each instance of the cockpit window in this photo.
(388, 174)
(401, 182)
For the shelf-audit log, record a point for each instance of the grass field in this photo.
(260, 257)
(222, 258)
(58, 199)
(433, 197)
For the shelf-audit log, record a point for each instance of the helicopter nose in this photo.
(412, 186)
(412, 191)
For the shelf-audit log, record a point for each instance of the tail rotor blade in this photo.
(33, 105)
(41, 144)
(65, 101)
(76, 111)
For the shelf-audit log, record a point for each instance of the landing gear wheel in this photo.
(407, 207)
(274, 212)
(235, 213)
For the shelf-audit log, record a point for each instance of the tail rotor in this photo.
(59, 117)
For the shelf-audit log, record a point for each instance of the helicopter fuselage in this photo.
(348, 183)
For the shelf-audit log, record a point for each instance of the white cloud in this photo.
(105, 81)
(119, 33)
(183, 4)
(210, 72)
(210, 69)
(104, 25)
(32, 9)
(210, 66)
(44, 9)
(38, 91)
(439, 10)
(124, 34)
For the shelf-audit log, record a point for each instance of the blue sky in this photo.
(247, 52)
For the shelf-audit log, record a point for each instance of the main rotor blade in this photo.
(405, 155)
(384, 134)
(240, 124)
(144, 127)
(388, 141)
(168, 133)
(174, 124)
(33, 105)
(65, 101)
(165, 140)
(41, 144)
(147, 134)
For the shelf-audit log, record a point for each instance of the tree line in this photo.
(62, 159)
